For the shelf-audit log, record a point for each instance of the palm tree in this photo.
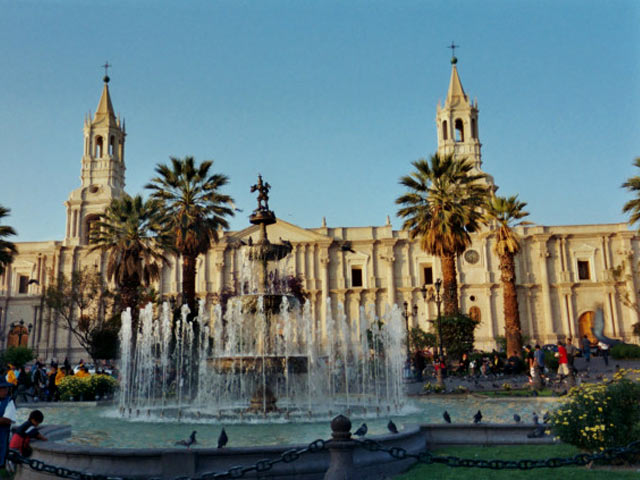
(131, 231)
(442, 208)
(7, 249)
(502, 214)
(196, 211)
(633, 206)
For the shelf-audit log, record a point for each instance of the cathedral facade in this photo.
(564, 274)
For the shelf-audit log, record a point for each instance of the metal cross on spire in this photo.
(106, 67)
(453, 47)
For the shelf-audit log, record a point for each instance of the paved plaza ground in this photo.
(588, 372)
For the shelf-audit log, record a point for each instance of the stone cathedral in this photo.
(564, 273)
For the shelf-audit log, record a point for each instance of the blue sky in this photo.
(329, 100)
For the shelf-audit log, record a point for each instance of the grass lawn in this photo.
(517, 392)
(513, 452)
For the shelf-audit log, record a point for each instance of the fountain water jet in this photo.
(262, 355)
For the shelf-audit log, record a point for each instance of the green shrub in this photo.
(432, 388)
(86, 388)
(458, 334)
(599, 416)
(103, 385)
(17, 356)
(625, 350)
(550, 361)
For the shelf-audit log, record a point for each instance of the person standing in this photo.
(7, 418)
(586, 348)
(563, 360)
(604, 351)
(538, 368)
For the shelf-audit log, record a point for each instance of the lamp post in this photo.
(440, 351)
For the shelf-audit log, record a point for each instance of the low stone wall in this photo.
(173, 462)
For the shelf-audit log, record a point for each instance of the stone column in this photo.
(324, 262)
(546, 291)
(341, 451)
(391, 283)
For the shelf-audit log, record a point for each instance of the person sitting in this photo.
(23, 435)
(440, 365)
(463, 365)
(83, 372)
(496, 364)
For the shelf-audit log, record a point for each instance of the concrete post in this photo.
(341, 451)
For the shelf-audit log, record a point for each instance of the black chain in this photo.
(428, 458)
(234, 472)
(398, 453)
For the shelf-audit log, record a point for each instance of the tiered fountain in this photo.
(261, 355)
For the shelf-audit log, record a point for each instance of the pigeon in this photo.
(392, 427)
(536, 419)
(477, 418)
(537, 433)
(189, 441)
(362, 431)
(222, 439)
(446, 416)
(516, 418)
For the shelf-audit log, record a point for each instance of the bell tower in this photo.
(457, 125)
(102, 172)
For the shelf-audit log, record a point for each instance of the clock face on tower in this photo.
(471, 256)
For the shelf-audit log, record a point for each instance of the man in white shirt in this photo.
(7, 418)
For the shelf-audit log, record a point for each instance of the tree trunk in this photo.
(189, 283)
(449, 284)
(513, 331)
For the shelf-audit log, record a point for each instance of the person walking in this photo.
(604, 351)
(586, 348)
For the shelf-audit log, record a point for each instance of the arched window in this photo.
(445, 132)
(98, 146)
(459, 130)
(112, 145)
(474, 128)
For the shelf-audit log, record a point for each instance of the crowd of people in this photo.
(493, 363)
(40, 382)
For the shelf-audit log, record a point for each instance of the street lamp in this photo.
(438, 299)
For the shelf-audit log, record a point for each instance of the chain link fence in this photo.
(398, 453)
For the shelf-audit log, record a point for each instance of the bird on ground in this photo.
(222, 439)
(362, 431)
(392, 427)
(516, 418)
(446, 416)
(537, 433)
(536, 419)
(477, 418)
(189, 441)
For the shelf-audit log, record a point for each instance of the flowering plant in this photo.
(603, 415)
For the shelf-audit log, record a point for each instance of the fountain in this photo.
(260, 354)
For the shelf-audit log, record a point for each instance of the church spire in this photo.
(102, 173)
(457, 124)
(456, 94)
(105, 108)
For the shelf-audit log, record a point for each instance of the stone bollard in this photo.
(341, 450)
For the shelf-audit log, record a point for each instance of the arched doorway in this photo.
(585, 326)
(18, 335)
